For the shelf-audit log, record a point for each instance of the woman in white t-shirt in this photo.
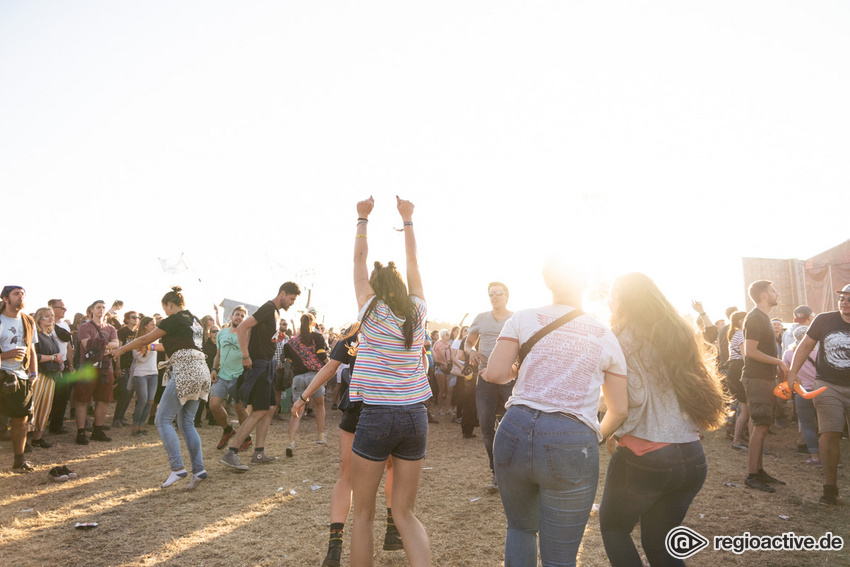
(143, 375)
(546, 452)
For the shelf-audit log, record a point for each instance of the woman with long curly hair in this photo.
(658, 464)
(390, 379)
(308, 352)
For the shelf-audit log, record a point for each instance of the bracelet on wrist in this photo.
(245, 357)
(303, 400)
(360, 236)
(362, 219)
(33, 374)
(408, 223)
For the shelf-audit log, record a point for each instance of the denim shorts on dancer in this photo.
(400, 431)
(224, 389)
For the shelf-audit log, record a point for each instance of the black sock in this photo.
(228, 429)
(81, 432)
(19, 460)
(752, 475)
(336, 532)
(390, 522)
(235, 449)
(259, 449)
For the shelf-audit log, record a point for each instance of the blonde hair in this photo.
(41, 312)
(682, 357)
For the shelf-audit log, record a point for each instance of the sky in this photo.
(664, 137)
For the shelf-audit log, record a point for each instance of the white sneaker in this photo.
(290, 449)
(321, 440)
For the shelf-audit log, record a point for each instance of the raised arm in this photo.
(414, 278)
(362, 289)
(141, 341)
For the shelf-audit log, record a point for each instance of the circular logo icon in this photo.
(682, 542)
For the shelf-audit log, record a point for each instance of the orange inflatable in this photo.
(782, 391)
(808, 395)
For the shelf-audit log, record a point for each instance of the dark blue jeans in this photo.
(656, 489)
(488, 398)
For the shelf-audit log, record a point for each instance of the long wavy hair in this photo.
(682, 356)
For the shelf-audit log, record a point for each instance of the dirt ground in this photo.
(271, 515)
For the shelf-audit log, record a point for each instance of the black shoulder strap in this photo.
(560, 321)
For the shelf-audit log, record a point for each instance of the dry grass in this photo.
(235, 520)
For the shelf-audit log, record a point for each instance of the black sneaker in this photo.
(334, 555)
(99, 435)
(759, 484)
(82, 439)
(41, 443)
(764, 477)
(830, 495)
(392, 540)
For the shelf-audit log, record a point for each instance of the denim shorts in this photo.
(223, 389)
(400, 431)
(300, 383)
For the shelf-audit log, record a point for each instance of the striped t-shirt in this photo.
(386, 373)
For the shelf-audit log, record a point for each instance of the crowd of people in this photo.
(529, 380)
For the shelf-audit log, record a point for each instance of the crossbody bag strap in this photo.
(560, 321)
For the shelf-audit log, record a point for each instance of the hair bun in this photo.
(391, 265)
(378, 265)
(176, 289)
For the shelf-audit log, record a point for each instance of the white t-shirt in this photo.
(565, 370)
(11, 337)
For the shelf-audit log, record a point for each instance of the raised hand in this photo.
(364, 207)
(405, 209)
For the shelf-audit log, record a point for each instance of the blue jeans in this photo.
(145, 389)
(547, 468)
(656, 489)
(169, 408)
(487, 401)
(808, 417)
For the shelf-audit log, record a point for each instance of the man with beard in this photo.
(97, 339)
(256, 336)
(123, 391)
(759, 377)
(227, 367)
(19, 370)
(832, 331)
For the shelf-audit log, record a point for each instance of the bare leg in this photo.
(341, 493)
(18, 432)
(263, 425)
(828, 446)
(365, 478)
(756, 446)
(247, 426)
(405, 485)
(99, 413)
(320, 414)
(742, 421)
(218, 411)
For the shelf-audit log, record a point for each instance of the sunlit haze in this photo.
(665, 137)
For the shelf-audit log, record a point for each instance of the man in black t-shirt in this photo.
(257, 336)
(759, 378)
(832, 331)
(123, 388)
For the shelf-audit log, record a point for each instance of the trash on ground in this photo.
(315, 487)
(85, 525)
(475, 499)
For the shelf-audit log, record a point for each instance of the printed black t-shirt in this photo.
(262, 345)
(757, 327)
(126, 335)
(833, 334)
(182, 331)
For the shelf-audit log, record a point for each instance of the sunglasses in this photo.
(498, 293)
(843, 298)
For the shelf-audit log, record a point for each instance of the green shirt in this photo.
(230, 357)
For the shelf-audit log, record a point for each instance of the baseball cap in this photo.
(845, 291)
(802, 313)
